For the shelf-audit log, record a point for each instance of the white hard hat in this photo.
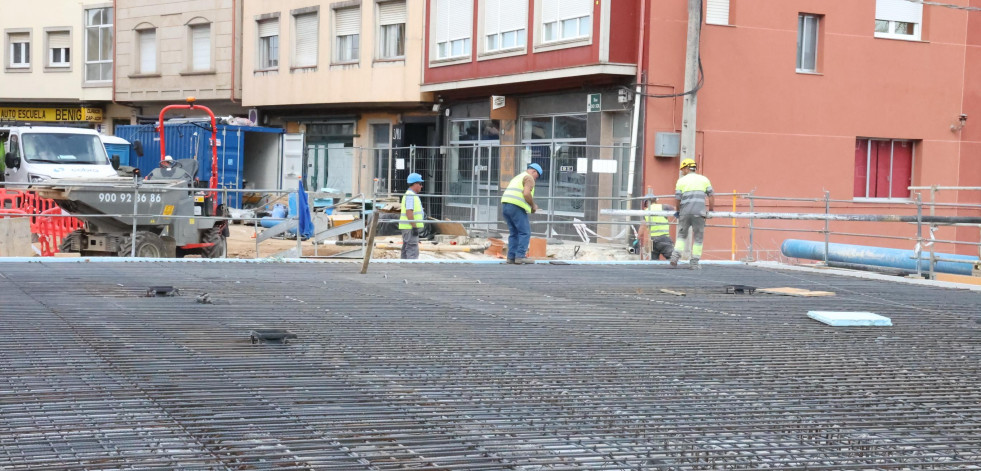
(167, 157)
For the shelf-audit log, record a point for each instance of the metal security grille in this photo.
(460, 367)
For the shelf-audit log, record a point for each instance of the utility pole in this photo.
(691, 80)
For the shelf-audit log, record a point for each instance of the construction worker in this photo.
(517, 203)
(661, 243)
(691, 191)
(411, 211)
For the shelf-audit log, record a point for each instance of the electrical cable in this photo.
(701, 72)
(945, 5)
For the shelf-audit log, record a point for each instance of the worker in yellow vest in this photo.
(691, 191)
(411, 211)
(516, 204)
(661, 243)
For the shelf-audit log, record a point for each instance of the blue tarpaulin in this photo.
(305, 223)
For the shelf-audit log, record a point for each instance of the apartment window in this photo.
(305, 39)
(717, 12)
(200, 47)
(146, 40)
(391, 30)
(454, 23)
(347, 26)
(505, 23)
(98, 44)
(268, 47)
(19, 50)
(898, 19)
(883, 168)
(807, 42)
(566, 19)
(59, 48)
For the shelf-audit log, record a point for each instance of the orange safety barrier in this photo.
(46, 221)
(51, 228)
(11, 199)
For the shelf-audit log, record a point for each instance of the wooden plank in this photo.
(800, 292)
(449, 228)
(972, 280)
(675, 293)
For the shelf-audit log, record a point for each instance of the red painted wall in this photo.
(765, 128)
(623, 46)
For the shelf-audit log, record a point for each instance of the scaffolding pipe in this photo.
(808, 216)
(875, 256)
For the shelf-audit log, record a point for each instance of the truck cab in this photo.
(36, 154)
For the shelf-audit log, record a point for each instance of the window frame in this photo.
(892, 166)
(294, 44)
(892, 23)
(381, 36)
(107, 9)
(189, 64)
(543, 45)
(263, 56)
(25, 50)
(816, 37)
(483, 46)
(49, 64)
(337, 49)
(435, 58)
(138, 33)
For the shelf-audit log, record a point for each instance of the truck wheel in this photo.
(214, 236)
(148, 245)
(70, 241)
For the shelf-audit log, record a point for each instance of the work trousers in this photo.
(695, 223)
(519, 230)
(661, 245)
(410, 245)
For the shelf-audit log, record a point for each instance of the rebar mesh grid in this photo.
(480, 367)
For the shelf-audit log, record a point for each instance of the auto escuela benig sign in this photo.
(51, 114)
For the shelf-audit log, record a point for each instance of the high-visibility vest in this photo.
(659, 224)
(515, 192)
(417, 213)
(692, 188)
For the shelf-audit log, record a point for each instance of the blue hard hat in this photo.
(538, 168)
(414, 178)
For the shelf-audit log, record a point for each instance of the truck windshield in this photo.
(62, 148)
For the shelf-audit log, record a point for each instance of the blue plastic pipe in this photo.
(875, 256)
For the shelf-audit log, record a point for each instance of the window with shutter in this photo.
(391, 30)
(717, 12)
(347, 27)
(306, 37)
(268, 47)
(454, 26)
(898, 19)
(20, 50)
(148, 51)
(201, 47)
(566, 19)
(505, 24)
(59, 49)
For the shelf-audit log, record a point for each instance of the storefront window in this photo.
(557, 143)
(473, 164)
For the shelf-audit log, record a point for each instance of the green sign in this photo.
(594, 103)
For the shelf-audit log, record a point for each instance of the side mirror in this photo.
(138, 148)
(114, 160)
(12, 159)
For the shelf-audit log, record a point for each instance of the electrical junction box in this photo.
(667, 144)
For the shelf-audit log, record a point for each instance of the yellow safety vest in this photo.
(515, 192)
(691, 191)
(659, 224)
(416, 211)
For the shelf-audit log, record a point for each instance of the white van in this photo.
(35, 154)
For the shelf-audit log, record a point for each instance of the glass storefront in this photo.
(558, 144)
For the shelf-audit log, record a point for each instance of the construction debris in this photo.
(795, 292)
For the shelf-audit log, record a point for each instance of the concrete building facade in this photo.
(859, 99)
(169, 50)
(346, 76)
(57, 67)
(544, 81)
